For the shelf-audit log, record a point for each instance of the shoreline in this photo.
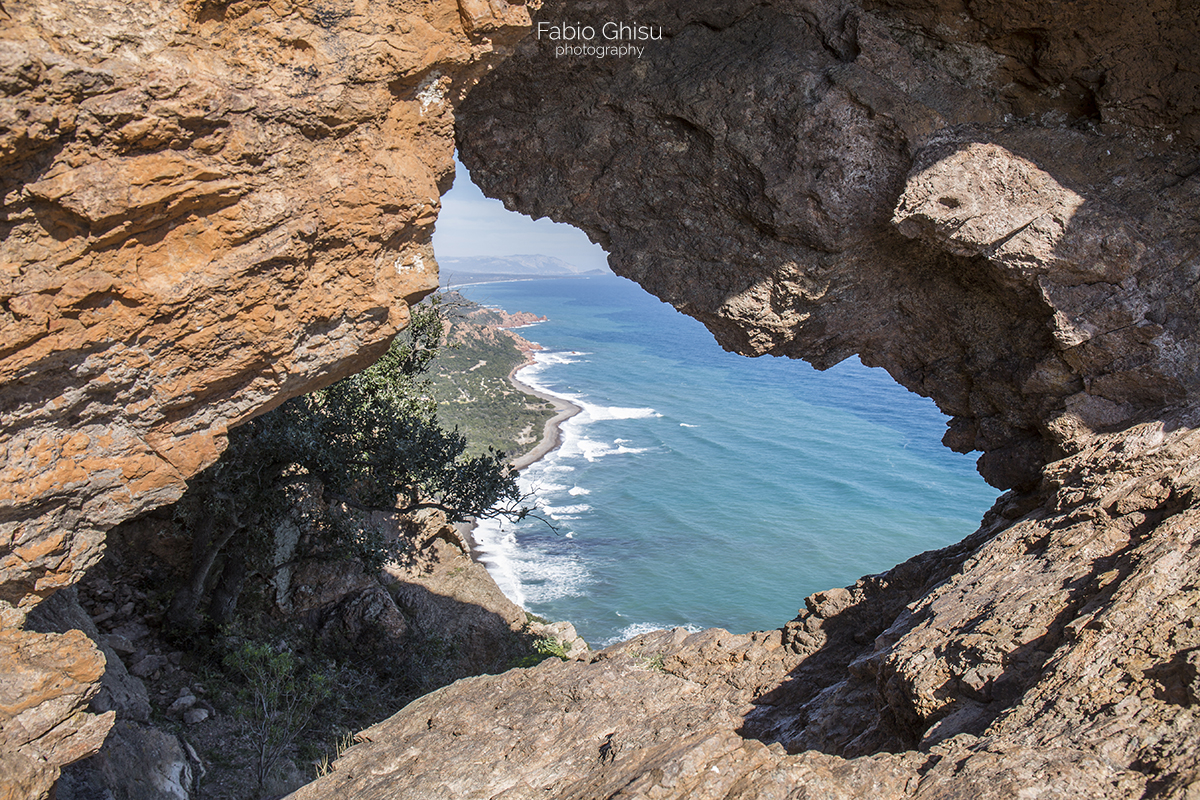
(550, 441)
(552, 429)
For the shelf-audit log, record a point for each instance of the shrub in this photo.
(277, 699)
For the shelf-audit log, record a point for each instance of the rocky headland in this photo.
(472, 380)
(209, 207)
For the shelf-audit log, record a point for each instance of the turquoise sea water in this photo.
(701, 488)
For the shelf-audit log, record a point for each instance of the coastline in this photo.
(550, 441)
(552, 430)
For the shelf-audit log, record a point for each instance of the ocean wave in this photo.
(638, 628)
(599, 413)
(561, 512)
(592, 449)
(497, 549)
(525, 571)
(591, 412)
(553, 578)
(575, 491)
(554, 467)
(686, 425)
(543, 489)
(549, 358)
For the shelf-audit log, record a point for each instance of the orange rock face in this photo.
(207, 208)
(49, 679)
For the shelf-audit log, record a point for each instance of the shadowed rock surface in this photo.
(815, 180)
(998, 203)
(1052, 655)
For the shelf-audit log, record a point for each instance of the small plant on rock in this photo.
(550, 647)
(277, 700)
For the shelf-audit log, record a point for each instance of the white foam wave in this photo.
(686, 425)
(557, 580)
(526, 571)
(561, 512)
(497, 551)
(598, 413)
(590, 412)
(639, 628)
(543, 489)
(593, 450)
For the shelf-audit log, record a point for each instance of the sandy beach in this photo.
(551, 439)
(551, 431)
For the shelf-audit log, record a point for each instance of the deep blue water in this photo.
(702, 488)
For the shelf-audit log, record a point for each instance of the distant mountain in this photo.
(539, 265)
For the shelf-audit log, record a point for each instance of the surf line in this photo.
(551, 440)
(552, 430)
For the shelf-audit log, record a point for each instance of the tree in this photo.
(369, 442)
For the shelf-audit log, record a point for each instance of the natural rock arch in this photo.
(1000, 208)
(209, 207)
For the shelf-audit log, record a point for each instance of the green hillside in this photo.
(470, 379)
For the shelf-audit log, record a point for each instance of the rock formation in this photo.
(997, 202)
(180, 728)
(208, 207)
(1052, 656)
(1000, 223)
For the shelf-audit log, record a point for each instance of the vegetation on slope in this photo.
(279, 626)
(470, 379)
(369, 443)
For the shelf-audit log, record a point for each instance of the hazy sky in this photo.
(473, 225)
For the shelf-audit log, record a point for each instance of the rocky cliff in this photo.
(380, 638)
(997, 202)
(997, 205)
(208, 207)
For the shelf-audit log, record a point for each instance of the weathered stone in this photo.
(137, 762)
(1006, 221)
(817, 179)
(131, 632)
(148, 664)
(49, 679)
(197, 187)
(194, 716)
(1051, 655)
(181, 704)
(448, 598)
(207, 208)
(119, 691)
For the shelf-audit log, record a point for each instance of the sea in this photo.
(700, 488)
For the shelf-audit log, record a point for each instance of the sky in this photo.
(473, 225)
